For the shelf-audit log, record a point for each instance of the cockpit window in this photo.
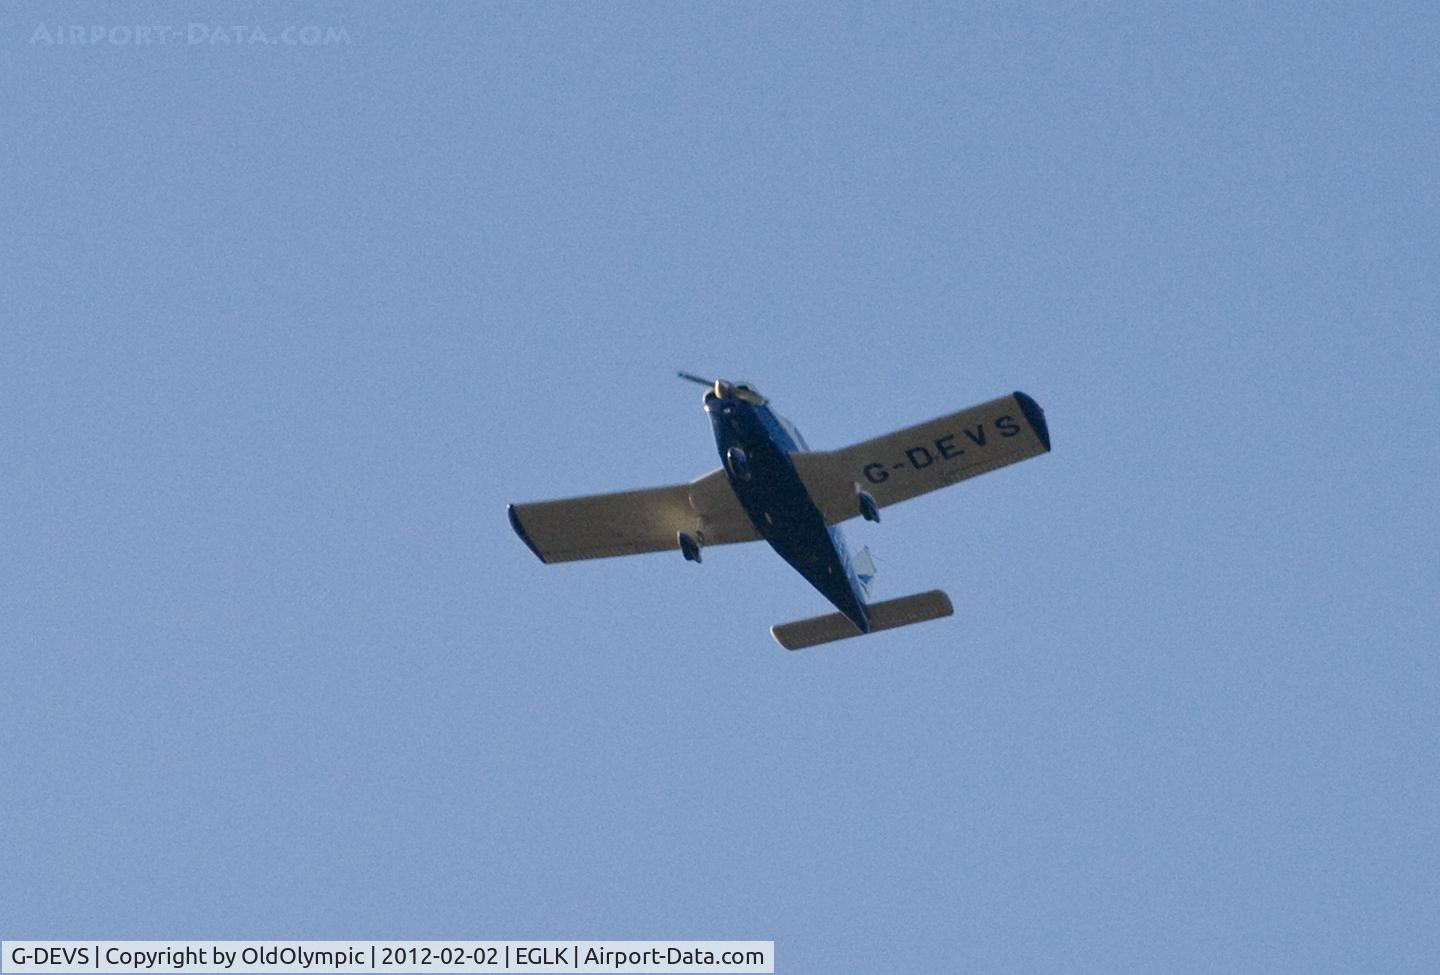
(794, 432)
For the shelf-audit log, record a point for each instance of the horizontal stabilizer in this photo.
(887, 615)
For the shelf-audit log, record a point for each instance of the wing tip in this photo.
(1034, 416)
(520, 530)
(943, 603)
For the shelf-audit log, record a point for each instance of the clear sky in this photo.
(285, 327)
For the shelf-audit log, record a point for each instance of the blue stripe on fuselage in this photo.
(778, 505)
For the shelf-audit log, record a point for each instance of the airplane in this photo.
(772, 486)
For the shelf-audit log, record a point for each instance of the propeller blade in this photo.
(696, 379)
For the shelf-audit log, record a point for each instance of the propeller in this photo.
(720, 386)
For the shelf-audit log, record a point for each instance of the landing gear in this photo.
(869, 510)
(689, 546)
(738, 464)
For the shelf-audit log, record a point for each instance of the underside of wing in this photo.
(923, 458)
(632, 522)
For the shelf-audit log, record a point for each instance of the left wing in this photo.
(923, 458)
(632, 522)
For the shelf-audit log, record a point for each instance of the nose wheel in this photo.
(738, 463)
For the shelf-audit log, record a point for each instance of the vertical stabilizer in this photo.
(865, 570)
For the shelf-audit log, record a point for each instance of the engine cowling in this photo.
(689, 546)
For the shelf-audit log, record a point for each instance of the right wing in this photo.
(923, 458)
(632, 522)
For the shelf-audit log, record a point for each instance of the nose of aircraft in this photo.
(718, 388)
(725, 392)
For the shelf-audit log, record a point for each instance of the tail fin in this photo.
(865, 570)
(887, 615)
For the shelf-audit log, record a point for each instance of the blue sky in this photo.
(286, 327)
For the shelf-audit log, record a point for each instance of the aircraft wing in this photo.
(632, 522)
(925, 457)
